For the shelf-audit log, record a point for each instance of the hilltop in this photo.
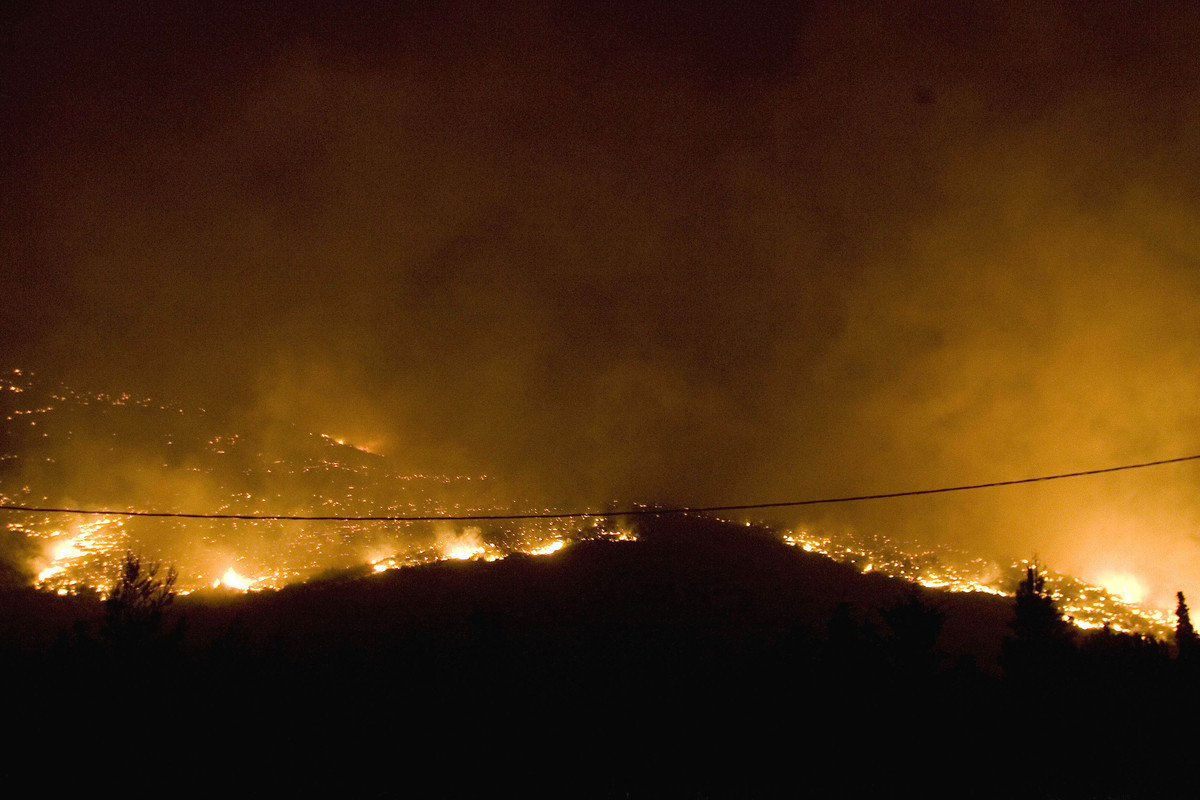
(731, 585)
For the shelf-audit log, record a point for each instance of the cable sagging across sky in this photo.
(632, 512)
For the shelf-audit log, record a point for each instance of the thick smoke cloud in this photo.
(659, 253)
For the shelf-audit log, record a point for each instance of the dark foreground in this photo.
(706, 660)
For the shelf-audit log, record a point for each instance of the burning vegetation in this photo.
(181, 457)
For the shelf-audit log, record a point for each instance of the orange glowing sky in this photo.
(693, 253)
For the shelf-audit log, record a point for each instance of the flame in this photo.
(85, 539)
(67, 549)
(60, 553)
(547, 549)
(232, 580)
(1124, 585)
(462, 550)
(465, 545)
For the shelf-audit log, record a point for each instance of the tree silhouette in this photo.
(1185, 635)
(851, 649)
(1041, 641)
(1037, 615)
(914, 626)
(134, 608)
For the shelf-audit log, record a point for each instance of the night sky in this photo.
(662, 252)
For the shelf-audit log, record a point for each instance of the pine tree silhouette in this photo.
(1042, 641)
(1185, 635)
(913, 628)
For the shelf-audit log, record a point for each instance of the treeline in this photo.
(705, 660)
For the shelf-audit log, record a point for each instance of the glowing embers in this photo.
(1085, 605)
(68, 553)
(936, 569)
(467, 545)
(803, 540)
(370, 447)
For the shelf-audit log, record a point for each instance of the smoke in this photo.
(18, 560)
(651, 253)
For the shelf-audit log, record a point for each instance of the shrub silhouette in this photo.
(134, 609)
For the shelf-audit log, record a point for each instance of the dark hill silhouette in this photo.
(706, 659)
(731, 582)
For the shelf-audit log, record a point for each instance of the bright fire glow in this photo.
(60, 553)
(1124, 585)
(85, 541)
(1114, 602)
(81, 554)
(547, 549)
(232, 580)
(462, 550)
(465, 545)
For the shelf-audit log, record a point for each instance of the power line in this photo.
(633, 512)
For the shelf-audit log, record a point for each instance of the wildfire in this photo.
(84, 543)
(232, 580)
(306, 473)
(546, 549)
(1114, 602)
(466, 545)
(1123, 585)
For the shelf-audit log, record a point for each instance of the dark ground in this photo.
(705, 660)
